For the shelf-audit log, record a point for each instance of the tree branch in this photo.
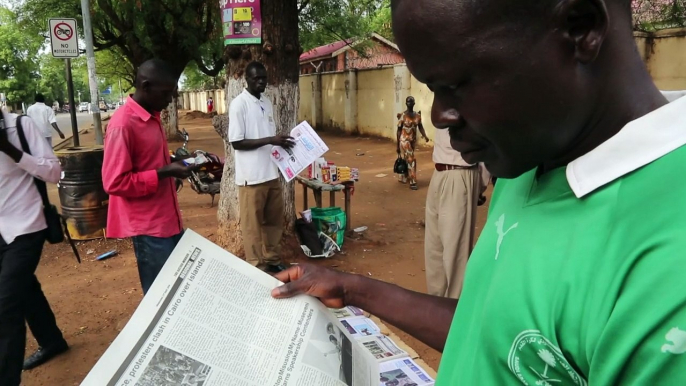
(303, 5)
(218, 66)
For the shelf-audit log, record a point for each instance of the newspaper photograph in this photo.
(308, 147)
(209, 319)
(403, 372)
(360, 327)
(348, 312)
(382, 347)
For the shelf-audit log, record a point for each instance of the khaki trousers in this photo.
(449, 234)
(261, 212)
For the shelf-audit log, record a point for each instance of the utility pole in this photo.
(72, 105)
(92, 78)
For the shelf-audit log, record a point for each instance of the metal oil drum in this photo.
(82, 196)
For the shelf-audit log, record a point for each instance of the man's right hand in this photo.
(176, 169)
(284, 141)
(327, 285)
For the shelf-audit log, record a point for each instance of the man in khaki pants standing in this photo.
(252, 133)
(451, 204)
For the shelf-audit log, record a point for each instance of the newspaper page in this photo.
(209, 319)
(308, 147)
(382, 347)
(403, 372)
(360, 327)
(348, 312)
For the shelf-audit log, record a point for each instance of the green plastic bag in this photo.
(330, 221)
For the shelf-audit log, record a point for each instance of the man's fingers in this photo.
(284, 291)
(291, 288)
(285, 275)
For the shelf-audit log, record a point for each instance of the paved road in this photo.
(64, 122)
(84, 120)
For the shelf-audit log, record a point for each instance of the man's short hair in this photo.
(157, 70)
(40, 98)
(254, 66)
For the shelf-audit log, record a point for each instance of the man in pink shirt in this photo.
(137, 172)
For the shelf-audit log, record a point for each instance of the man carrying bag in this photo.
(23, 231)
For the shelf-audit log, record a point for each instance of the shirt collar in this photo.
(252, 97)
(138, 110)
(639, 143)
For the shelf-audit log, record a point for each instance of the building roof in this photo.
(337, 48)
(323, 51)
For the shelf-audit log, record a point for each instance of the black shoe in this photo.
(43, 355)
(275, 268)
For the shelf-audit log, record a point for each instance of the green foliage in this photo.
(178, 31)
(18, 59)
(653, 15)
(381, 21)
(52, 81)
(194, 79)
(326, 21)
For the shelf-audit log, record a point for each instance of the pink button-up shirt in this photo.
(140, 203)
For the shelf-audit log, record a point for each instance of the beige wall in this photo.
(376, 102)
(197, 100)
(665, 55)
(306, 91)
(333, 100)
(423, 98)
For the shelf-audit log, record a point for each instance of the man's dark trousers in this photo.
(21, 299)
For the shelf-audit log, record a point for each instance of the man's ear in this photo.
(145, 85)
(584, 24)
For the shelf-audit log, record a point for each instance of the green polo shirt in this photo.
(579, 276)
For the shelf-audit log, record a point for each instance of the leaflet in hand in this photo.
(308, 147)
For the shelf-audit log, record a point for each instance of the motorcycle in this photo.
(206, 179)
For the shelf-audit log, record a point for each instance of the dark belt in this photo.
(444, 167)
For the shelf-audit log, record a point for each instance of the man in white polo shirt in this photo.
(252, 133)
(44, 117)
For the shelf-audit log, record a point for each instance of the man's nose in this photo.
(443, 115)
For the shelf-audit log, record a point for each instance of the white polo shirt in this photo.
(43, 116)
(252, 118)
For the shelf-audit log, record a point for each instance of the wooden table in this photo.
(318, 187)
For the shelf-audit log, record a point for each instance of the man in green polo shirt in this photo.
(578, 277)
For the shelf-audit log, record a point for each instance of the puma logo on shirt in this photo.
(677, 338)
(500, 225)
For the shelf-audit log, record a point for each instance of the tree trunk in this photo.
(279, 52)
(170, 118)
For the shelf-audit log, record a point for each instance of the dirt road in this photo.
(94, 300)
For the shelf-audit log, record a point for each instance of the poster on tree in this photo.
(241, 21)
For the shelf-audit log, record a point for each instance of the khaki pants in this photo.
(449, 235)
(261, 209)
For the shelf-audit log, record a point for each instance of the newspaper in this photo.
(348, 312)
(403, 372)
(308, 147)
(360, 327)
(382, 347)
(209, 319)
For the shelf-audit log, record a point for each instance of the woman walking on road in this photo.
(408, 123)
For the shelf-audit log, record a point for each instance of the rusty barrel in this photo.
(84, 201)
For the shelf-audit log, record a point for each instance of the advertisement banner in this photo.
(241, 21)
